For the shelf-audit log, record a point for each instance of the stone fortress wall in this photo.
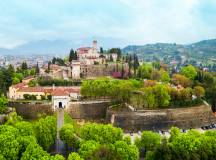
(77, 110)
(32, 110)
(163, 119)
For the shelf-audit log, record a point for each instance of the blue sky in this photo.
(133, 21)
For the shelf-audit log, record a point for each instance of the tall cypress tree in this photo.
(122, 71)
(71, 55)
(136, 63)
(75, 55)
(101, 50)
(37, 70)
(129, 65)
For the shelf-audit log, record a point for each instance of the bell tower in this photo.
(95, 45)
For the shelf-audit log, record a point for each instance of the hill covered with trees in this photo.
(205, 48)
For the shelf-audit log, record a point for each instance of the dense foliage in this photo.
(98, 141)
(57, 82)
(3, 104)
(9, 76)
(118, 90)
(187, 146)
(45, 130)
(147, 94)
(24, 140)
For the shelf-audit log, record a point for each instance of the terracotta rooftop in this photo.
(32, 89)
(83, 50)
(20, 85)
(60, 92)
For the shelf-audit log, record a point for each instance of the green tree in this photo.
(87, 148)
(45, 130)
(163, 152)
(15, 80)
(144, 71)
(149, 141)
(18, 75)
(135, 64)
(32, 83)
(125, 151)
(199, 91)
(189, 71)
(67, 135)
(178, 79)
(175, 132)
(57, 157)
(101, 50)
(37, 69)
(3, 104)
(103, 152)
(161, 95)
(24, 66)
(117, 51)
(24, 128)
(9, 146)
(101, 133)
(13, 118)
(148, 98)
(164, 76)
(71, 55)
(33, 152)
(74, 156)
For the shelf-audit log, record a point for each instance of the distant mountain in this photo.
(203, 48)
(59, 47)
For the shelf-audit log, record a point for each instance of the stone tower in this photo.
(95, 45)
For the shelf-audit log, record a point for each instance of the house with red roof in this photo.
(19, 90)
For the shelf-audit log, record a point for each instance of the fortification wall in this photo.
(88, 110)
(163, 119)
(77, 110)
(32, 110)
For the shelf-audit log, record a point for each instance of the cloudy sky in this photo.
(133, 21)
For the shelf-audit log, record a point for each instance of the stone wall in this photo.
(99, 70)
(77, 110)
(163, 119)
(32, 110)
(88, 110)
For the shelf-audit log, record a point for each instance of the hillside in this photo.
(205, 48)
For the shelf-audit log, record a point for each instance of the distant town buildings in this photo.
(90, 63)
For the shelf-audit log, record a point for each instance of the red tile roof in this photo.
(60, 92)
(83, 50)
(20, 85)
(32, 89)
